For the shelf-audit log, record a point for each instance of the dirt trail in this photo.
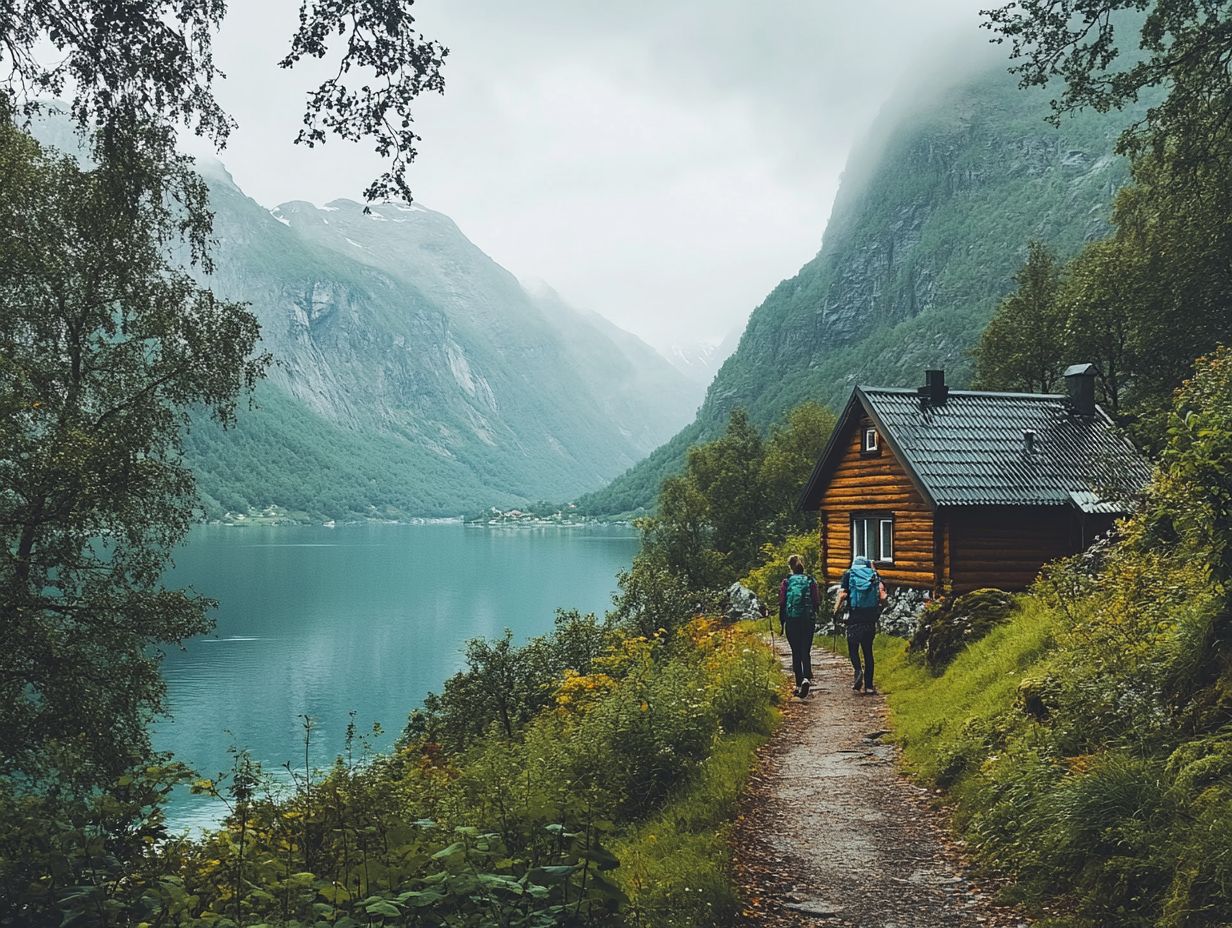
(832, 835)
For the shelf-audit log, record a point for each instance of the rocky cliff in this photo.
(931, 221)
(413, 375)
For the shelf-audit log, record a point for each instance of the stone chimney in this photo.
(1080, 383)
(934, 391)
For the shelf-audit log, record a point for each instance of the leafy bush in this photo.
(764, 579)
(599, 739)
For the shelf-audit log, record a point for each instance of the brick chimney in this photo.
(1080, 384)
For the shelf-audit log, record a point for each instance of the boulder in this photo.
(900, 616)
(742, 603)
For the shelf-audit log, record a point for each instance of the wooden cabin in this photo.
(953, 490)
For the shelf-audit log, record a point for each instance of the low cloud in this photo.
(662, 163)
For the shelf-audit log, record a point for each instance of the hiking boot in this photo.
(804, 688)
(871, 691)
(859, 681)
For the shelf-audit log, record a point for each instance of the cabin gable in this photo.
(868, 504)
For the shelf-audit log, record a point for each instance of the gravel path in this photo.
(832, 835)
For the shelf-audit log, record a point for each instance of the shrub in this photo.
(951, 625)
(764, 580)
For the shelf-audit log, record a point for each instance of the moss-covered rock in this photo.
(951, 625)
(1034, 697)
(1202, 769)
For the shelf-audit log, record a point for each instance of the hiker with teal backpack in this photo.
(798, 602)
(861, 588)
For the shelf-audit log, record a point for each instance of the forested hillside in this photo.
(412, 374)
(932, 219)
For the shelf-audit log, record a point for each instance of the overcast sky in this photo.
(664, 163)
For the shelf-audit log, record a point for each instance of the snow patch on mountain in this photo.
(700, 360)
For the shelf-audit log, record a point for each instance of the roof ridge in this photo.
(912, 391)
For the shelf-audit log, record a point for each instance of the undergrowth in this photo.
(594, 787)
(675, 867)
(1086, 744)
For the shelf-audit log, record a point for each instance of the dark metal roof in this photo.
(971, 450)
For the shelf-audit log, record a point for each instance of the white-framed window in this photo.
(873, 537)
(870, 444)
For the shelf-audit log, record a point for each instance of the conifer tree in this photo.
(1022, 348)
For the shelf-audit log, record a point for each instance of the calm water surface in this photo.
(319, 621)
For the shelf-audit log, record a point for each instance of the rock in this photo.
(742, 603)
(901, 615)
(817, 908)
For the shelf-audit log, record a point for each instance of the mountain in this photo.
(700, 361)
(413, 375)
(930, 223)
(629, 380)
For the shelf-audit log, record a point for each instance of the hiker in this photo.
(862, 588)
(798, 603)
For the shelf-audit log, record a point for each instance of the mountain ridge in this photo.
(414, 375)
(930, 222)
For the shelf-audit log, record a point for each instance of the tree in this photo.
(138, 68)
(710, 518)
(680, 536)
(727, 473)
(792, 450)
(1023, 347)
(104, 344)
(1173, 221)
(1158, 293)
(1183, 50)
(1100, 299)
(652, 597)
(103, 349)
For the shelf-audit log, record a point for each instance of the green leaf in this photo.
(456, 848)
(383, 907)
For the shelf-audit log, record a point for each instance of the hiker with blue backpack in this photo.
(798, 603)
(861, 588)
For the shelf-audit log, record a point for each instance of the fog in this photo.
(663, 163)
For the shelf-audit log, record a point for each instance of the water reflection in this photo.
(321, 621)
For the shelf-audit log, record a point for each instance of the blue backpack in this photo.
(863, 587)
(799, 603)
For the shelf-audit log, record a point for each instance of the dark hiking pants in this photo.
(800, 637)
(860, 638)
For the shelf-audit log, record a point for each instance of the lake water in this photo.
(321, 621)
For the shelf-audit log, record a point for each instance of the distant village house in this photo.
(952, 490)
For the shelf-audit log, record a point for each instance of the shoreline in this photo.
(266, 521)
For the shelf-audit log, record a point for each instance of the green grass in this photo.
(939, 720)
(1095, 826)
(675, 867)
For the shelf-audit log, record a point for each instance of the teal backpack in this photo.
(863, 587)
(799, 597)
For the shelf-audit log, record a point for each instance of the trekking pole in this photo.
(774, 651)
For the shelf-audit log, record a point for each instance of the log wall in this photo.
(1006, 546)
(876, 485)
